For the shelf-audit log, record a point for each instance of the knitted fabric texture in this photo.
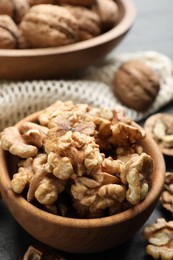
(93, 86)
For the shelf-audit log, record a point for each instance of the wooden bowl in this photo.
(48, 63)
(80, 235)
(149, 124)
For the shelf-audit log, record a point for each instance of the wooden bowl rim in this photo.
(126, 215)
(125, 23)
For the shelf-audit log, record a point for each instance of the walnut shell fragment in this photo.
(49, 26)
(16, 9)
(160, 238)
(160, 127)
(136, 85)
(8, 33)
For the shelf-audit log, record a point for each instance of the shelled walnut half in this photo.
(160, 238)
(166, 197)
(160, 126)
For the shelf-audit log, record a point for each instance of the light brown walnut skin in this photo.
(8, 33)
(136, 85)
(91, 158)
(49, 26)
(16, 9)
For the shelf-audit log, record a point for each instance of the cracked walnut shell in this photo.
(49, 26)
(136, 85)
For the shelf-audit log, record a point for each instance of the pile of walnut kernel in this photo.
(80, 161)
(159, 235)
(50, 23)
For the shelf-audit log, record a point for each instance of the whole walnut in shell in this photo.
(89, 24)
(14, 8)
(136, 85)
(8, 33)
(49, 26)
(108, 13)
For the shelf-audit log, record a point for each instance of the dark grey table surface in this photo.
(152, 30)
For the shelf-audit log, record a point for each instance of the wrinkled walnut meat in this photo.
(166, 197)
(46, 253)
(160, 126)
(80, 160)
(160, 238)
(136, 85)
(163, 132)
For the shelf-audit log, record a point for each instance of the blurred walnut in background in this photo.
(89, 23)
(108, 13)
(14, 8)
(57, 26)
(53, 23)
(8, 33)
(136, 85)
(77, 2)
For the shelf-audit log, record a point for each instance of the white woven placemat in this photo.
(94, 86)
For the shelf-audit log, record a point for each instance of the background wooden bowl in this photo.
(48, 63)
(81, 235)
